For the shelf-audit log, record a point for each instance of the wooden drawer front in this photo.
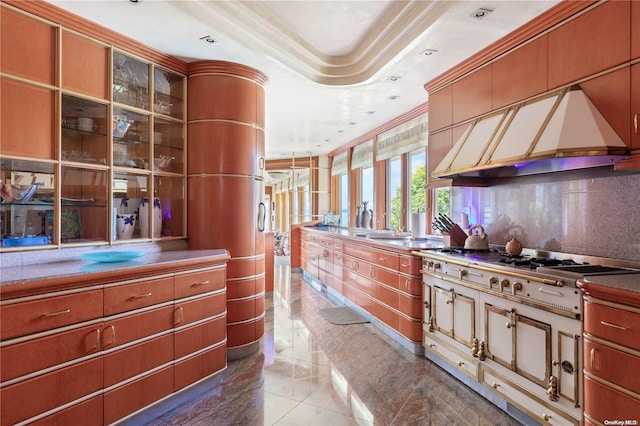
(34, 355)
(411, 285)
(133, 296)
(200, 282)
(385, 259)
(192, 339)
(337, 245)
(361, 283)
(24, 318)
(387, 296)
(385, 315)
(128, 362)
(200, 366)
(34, 396)
(606, 363)
(411, 329)
(125, 400)
(410, 265)
(337, 257)
(613, 324)
(86, 413)
(603, 403)
(195, 310)
(385, 276)
(119, 331)
(410, 306)
(356, 265)
(363, 253)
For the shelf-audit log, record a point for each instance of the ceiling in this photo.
(336, 69)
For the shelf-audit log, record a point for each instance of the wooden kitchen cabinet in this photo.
(472, 95)
(591, 43)
(635, 30)
(85, 65)
(440, 109)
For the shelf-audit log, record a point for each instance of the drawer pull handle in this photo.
(460, 363)
(432, 345)
(593, 358)
(181, 310)
(55, 314)
(198, 284)
(495, 385)
(608, 324)
(635, 123)
(448, 301)
(546, 417)
(113, 336)
(139, 296)
(97, 339)
(404, 265)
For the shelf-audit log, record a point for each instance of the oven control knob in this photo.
(492, 281)
(462, 273)
(437, 266)
(516, 287)
(504, 283)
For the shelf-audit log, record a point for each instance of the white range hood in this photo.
(560, 131)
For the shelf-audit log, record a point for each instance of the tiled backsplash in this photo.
(589, 213)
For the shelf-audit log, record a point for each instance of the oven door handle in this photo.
(551, 292)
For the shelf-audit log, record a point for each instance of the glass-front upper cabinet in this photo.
(168, 146)
(168, 93)
(84, 131)
(130, 139)
(130, 81)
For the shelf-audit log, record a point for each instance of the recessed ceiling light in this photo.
(340, 131)
(393, 97)
(326, 140)
(428, 52)
(394, 78)
(481, 13)
(208, 39)
(370, 112)
(353, 123)
(134, 1)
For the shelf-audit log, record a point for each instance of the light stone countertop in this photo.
(625, 282)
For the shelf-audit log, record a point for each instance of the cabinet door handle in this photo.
(97, 346)
(139, 296)
(113, 335)
(55, 314)
(181, 317)
(593, 359)
(608, 324)
(404, 265)
(635, 123)
(198, 284)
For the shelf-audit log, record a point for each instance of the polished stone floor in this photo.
(311, 372)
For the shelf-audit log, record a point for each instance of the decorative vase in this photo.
(358, 216)
(125, 223)
(363, 222)
(144, 217)
(366, 219)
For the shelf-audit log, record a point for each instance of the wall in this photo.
(592, 212)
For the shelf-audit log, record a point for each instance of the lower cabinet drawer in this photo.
(603, 403)
(31, 397)
(200, 366)
(466, 364)
(385, 315)
(124, 400)
(194, 338)
(86, 413)
(617, 325)
(199, 282)
(410, 328)
(606, 362)
(126, 297)
(410, 306)
(521, 399)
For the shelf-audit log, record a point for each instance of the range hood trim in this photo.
(608, 153)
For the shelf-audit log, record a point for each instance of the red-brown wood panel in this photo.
(33, 355)
(195, 310)
(24, 318)
(128, 362)
(410, 306)
(385, 276)
(605, 362)
(86, 413)
(199, 282)
(411, 285)
(241, 310)
(439, 145)
(199, 336)
(117, 332)
(613, 324)
(27, 115)
(521, 74)
(26, 399)
(635, 107)
(472, 95)
(235, 98)
(385, 315)
(593, 42)
(635, 30)
(127, 297)
(200, 366)
(386, 295)
(240, 334)
(440, 109)
(385, 259)
(135, 395)
(604, 403)
(241, 288)
(222, 147)
(410, 265)
(611, 93)
(27, 48)
(411, 329)
(85, 66)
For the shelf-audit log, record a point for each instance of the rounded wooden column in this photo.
(225, 153)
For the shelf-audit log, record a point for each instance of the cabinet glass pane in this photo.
(168, 146)
(169, 192)
(131, 206)
(130, 139)
(168, 91)
(83, 205)
(130, 81)
(26, 210)
(84, 131)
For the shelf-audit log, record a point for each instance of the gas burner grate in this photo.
(462, 250)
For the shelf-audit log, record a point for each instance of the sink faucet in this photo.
(398, 229)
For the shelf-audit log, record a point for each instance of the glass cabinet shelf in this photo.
(84, 131)
(130, 81)
(168, 93)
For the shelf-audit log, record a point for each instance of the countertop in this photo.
(68, 269)
(623, 282)
(422, 243)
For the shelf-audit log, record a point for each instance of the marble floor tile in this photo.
(312, 372)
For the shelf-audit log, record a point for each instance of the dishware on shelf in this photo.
(86, 124)
(125, 224)
(16, 193)
(120, 127)
(162, 163)
(112, 256)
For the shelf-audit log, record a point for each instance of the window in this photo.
(366, 186)
(344, 199)
(307, 203)
(417, 181)
(394, 192)
(442, 201)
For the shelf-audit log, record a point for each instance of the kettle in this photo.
(513, 247)
(476, 242)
